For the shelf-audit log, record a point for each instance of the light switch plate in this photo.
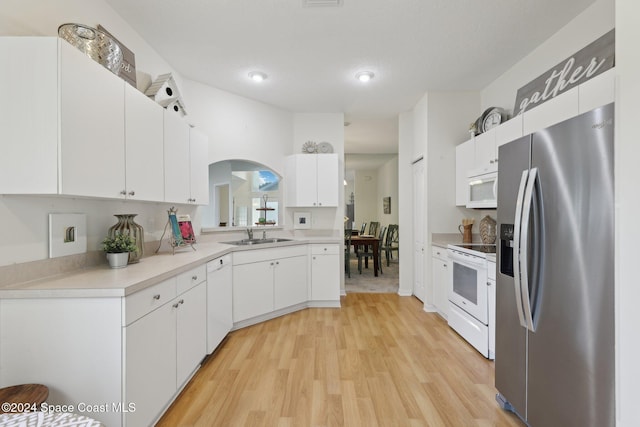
(67, 234)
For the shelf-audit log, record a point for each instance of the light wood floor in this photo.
(378, 361)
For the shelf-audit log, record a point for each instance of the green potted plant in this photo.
(117, 248)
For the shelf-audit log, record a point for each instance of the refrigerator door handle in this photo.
(524, 282)
(516, 246)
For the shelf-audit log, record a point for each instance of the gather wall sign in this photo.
(585, 64)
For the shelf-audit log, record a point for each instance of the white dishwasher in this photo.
(219, 301)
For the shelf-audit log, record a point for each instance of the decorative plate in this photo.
(325, 147)
(309, 147)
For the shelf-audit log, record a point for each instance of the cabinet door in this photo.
(597, 92)
(150, 364)
(440, 277)
(290, 282)
(465, 158)
(143, 147)
(219, 301)
(508, 131)
(191, 331)
(92, 154)
(325, 277)
(176, 159)
(553, 111)
(199, 167)
(485, 152)
(252, 290)
(29, 117)
(327, 179)
(301, 180)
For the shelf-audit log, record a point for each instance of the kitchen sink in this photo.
(246, 242)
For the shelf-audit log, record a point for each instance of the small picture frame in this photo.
(386, 205)
(302, 220)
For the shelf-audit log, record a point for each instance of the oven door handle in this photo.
(524, 282)
(516, 246)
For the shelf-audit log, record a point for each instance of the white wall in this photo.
(240, 128)
(627, 152)
(366, 185)
(594, 22)
(449, 115)
(405, 200)
(388, 187)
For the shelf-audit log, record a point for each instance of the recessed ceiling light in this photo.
(364, 76)
(257, 76)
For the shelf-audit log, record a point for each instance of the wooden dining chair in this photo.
(391, 243)
(374, 226)
(347, 252)
(363, 228)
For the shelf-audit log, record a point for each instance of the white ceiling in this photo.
(311, 54)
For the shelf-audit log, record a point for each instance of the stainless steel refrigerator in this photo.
(554, 360)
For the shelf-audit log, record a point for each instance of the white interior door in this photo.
(418, 230)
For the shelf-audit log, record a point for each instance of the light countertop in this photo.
(102, 281)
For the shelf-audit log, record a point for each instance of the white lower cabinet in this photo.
(325, 273)
(165, 347)
(150, 361)
(132, 354)
(266, 280)
(440, 279)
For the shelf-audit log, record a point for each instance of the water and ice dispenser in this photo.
(506, 249)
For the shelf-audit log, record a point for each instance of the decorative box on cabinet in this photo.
(312, 180)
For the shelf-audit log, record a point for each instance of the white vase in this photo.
(118, 260)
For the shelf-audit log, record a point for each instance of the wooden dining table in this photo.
(366, 241)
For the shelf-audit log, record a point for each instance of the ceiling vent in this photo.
(321, 3)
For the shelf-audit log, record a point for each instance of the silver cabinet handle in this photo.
(181, 301)
(132, 193)
(156, 296)
(194, 278)
(175, 305)
(123, 192)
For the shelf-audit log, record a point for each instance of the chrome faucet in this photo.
(250, 233)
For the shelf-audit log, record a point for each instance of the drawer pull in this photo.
(181, 301)
(156, 296)
(175, 305)
(194, 278)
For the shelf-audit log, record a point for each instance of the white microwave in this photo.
(482, 190)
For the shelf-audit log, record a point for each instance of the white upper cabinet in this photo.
(597, 92)
(186, 172)
(485, 155)
(92, 151)
(143, 147)
(176, 159)
(74, 128)
(312, 180)
(553, 111)
(29, 122)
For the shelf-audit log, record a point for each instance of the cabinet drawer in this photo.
(439, 252)
(145, 301)
(189, 279)
(325, 249)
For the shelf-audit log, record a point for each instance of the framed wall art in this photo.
(386, 205)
